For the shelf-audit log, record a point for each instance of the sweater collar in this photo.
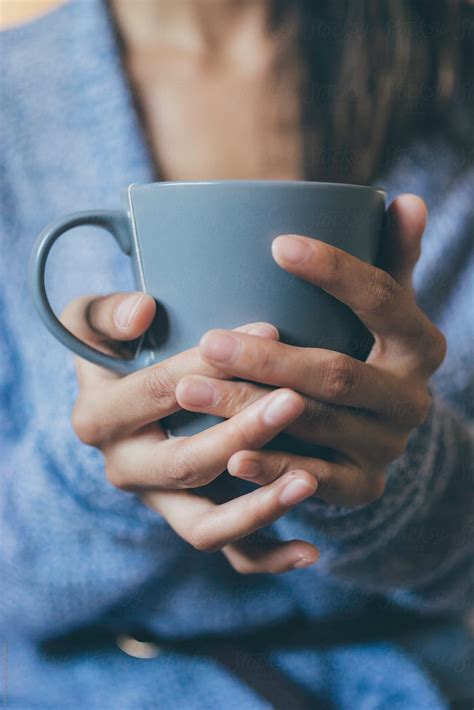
(102, 88)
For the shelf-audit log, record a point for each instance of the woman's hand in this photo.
(119, 417)
(362, 412)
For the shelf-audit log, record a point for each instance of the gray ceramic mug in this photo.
(203, 251)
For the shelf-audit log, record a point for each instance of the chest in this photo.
(204, 125)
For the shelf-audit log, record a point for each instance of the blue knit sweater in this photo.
(75, 552)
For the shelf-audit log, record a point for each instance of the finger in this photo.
(321, 374)
(374, 296)
(189, 462)
(108, 409)
(117, 317)
(348, 430)
(104, 322)
(210, 527)
(338, 484)
(258, 554)
(224, 398)
(403, 334)
(401, 245)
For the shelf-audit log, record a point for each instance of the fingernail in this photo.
(295, 491)
(221, 347)
(279, 410)
(263, 330)
(198, 392)
(249, 469)
(302, 562)
(291, 249)
(125, 312)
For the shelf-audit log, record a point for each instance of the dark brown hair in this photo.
(379, 73)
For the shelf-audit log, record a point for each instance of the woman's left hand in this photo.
(362, 412)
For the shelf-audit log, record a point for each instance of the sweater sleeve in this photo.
(415, 544)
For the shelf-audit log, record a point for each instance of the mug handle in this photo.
(117, 224)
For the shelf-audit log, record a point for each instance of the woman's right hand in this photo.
(120, 416)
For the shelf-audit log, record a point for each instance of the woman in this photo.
(97, 97)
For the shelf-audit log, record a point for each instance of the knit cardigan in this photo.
(75, 552)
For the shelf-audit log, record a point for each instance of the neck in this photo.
(198, 26)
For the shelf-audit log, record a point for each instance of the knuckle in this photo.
(238, 398)
(419, 407)
(318, 416)
(312, 412)
(411, 409)
(84, 426)
(241, 432)
(266, 363)
(185, 469)
(244, 565)
(159, 386)
(115, 476)
(383, 292)
(263, 517)
(201, 540)
(341, 377)
(333, 264)
(435, 348)
(263, 514)
(72, 312)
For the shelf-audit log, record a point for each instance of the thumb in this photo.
(401, 244)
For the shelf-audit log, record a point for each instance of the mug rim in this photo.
(256, 183)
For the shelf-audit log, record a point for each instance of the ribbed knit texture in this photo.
(75, 551)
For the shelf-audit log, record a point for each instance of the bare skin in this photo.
(217, 92)
(363, 411)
